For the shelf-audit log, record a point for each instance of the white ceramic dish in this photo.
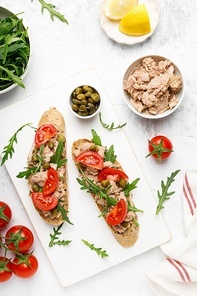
(76, 261)
(128, 98)
(111, 27)
(3, 14)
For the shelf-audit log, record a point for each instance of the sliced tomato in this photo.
(51, 182)
(111, 174)
(44, 133)
(44, 203)
(91, 159)
(117, 214)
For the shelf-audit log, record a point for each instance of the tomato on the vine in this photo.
(25, 266)
(5, 269)
(19, 238)
(5, 214)
(44, 203)
(51, 182)
(112, 174)
(160, 147)
(117, 214)
(44, 133)
(90, 159)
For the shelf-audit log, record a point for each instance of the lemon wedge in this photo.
(136, 22)
(116, 9)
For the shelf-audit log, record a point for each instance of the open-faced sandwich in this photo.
(104, 178)
(47, 171)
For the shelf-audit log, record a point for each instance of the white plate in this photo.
(76, 261)
(111, 27)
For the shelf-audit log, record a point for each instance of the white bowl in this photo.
(128, 98)
(4, 13)
(97, 105)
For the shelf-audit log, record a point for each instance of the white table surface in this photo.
(59, 51)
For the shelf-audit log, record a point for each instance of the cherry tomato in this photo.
(117, 214)
(51, 182)
(25, 266)
(111, 174)
(5, 214)
(5, 269)
(44, 203)
(91, 159)
(19, 238)
(160, 147)
(44, 133)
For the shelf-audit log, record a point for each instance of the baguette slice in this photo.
(54, 117)
(125, 236)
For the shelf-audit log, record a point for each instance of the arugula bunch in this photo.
(14, 51)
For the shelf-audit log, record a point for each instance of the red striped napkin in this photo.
(177, 273)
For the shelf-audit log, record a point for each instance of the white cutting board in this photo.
(76, 261)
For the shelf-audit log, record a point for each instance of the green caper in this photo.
(51, 144)
(122, 183)
(75, 107)
(90, 106)
(95, 97)
(93, 148)
(76, 102)
(61, 137)
(34, 157)
(82, 113)
(84, 102)
(86, 88)
(78, 90)
(35, 187)
(125, 224)
(82, 108)
(81, 97)
(88, 94)
(105, 183)
(46, 165)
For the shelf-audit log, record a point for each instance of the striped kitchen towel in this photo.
(177, 273)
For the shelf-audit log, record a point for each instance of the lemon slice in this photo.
(136, 22)
(116, 9)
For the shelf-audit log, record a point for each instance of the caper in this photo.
(81, 97)
(78, 90)
(34, 157)
(93, 148)
(90, 106)
(51, 144)
(122, 183)
(105, 183)
(82, 113)
(46, 165)
(61, 137)
(82, 108)
(35, 187)
(75, 107)
(84, 102)
(95, 97)
(76, 102)
(88, 94)
(125, 224)
(86, 88)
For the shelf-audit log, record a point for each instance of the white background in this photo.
(59, 51)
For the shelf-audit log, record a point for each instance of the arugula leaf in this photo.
(130, 186)
(55, 238)
(96, 139)
(112, 125)
(52, 10)
(8, 150)
(109, 154)
(64, 212)
(57, 157)
(99, 251)
(165, 195)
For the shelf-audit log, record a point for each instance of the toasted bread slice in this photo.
(53, 216)
(125, 235)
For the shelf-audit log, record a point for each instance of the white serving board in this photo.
(76, 261)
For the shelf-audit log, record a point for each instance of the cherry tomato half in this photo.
(25, 266)
(5, 269)
(91, 159)
(5, 214)
(160, 147)
(117, 214)
(44, 203)
(44, 133)
(111, 174)
(51, 183)
(19, 238)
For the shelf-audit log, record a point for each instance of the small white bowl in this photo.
(4, 13)
(87, 104)
(128, 99)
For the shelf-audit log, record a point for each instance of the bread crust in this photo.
(54, 117)
(130, 236)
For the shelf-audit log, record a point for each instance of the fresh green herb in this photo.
(96, 139)
(165, 195)
(9, 149)
(57, 157)
(99, 251)
(134, 209)
(130, 186)
(33, 170)
(55, 238)
(112, 125)
(109, 154)
(14, 51)
(63, 212)
(52, 9)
